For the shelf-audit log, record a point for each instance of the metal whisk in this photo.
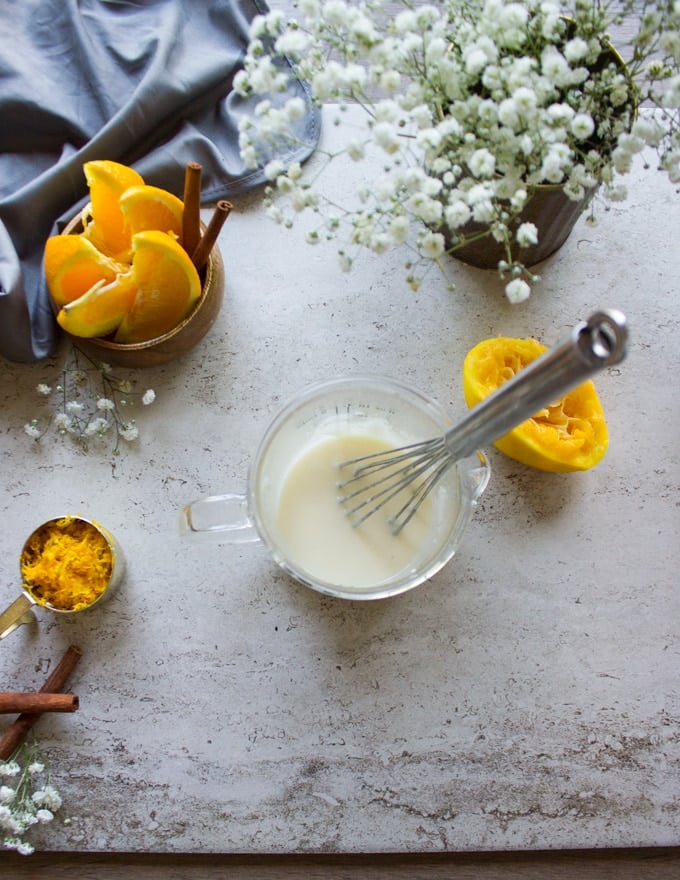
(415, 469)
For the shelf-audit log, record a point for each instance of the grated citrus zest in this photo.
(66, 564)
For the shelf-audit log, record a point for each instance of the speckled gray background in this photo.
(526, 697)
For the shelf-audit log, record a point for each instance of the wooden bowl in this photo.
(174, 343)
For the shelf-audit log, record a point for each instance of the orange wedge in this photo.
(106, 226)
(167, 287)
(99, 311)
(149, 207)
(73, 265)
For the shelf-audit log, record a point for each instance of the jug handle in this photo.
(479, 477)
(222, 518)
(20, 611)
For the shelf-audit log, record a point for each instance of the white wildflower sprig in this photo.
(92, 404)
(472, 105)
(27, 797)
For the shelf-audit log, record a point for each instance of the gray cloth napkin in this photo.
(143, 82)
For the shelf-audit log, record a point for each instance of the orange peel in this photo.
(73, 265)
(167, 288)
(103, 220)
(568, 435)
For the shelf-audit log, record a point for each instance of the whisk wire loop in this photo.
(388, 457)
(409, 509)
(427, 459)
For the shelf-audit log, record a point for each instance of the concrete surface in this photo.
(527, 697)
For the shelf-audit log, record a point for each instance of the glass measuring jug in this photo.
(302, 443)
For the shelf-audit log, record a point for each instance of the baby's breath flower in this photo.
(427, 209)
(380, 242)
(457, 214)
(294, 171)
(527, 234)
(291, 43)
(129, 432)
(385, 135)
(7, 794)
(285, 184)
(96, 427)
(273, 169)
(63, 422)
(517, 290)
(389, 81)
(90, 401)
(23, 848)
(482, 163)
(527, 94)
(47, 797)
(617, 193)
(432, 244)
(399, 229)
(7, 820)
(276, 213)
(20, 807)
(249, 156)
(33, 430)
(413, 282)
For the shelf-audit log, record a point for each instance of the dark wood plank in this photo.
(633, 864)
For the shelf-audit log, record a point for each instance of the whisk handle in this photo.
(590, 346)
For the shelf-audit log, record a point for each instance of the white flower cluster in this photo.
(473, 104)
(26, 799)
(92, 404)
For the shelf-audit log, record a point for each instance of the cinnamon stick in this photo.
(200, 256)
(191, 215)
(54, 682)
(11, 702)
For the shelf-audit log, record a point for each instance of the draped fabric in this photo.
(144, 82)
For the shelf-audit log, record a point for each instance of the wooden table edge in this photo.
(659, 863)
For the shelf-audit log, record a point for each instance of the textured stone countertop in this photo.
(526, 697)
